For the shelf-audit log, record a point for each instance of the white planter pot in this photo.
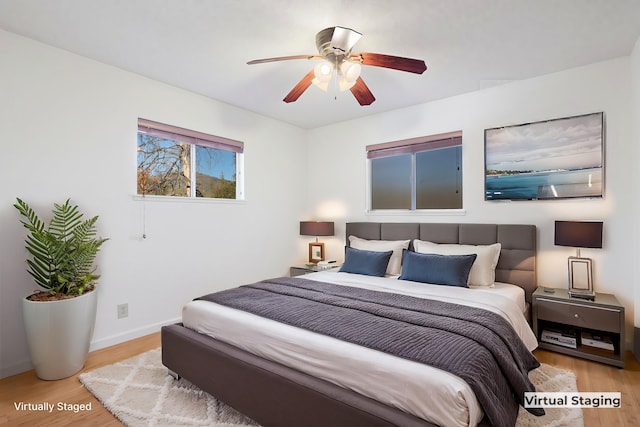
(59, 334)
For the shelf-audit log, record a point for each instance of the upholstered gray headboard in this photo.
(517, 262)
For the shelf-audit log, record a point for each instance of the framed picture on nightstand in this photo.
(316, 252)
(580, 278)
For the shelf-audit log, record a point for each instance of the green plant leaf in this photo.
(62, 254)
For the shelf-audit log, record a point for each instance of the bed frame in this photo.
(275, 395)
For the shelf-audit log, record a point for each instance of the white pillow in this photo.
(483, 271)
(397, 246)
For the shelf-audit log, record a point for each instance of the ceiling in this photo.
(203, 45)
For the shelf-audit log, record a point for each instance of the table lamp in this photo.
(316, 228)
(579, 234)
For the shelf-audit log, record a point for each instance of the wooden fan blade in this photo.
(389, 61)
(283, 58)
(362, 93)
(299, 88)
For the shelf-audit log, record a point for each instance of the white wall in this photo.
(635, 90)
(338, 166)
(68, 129)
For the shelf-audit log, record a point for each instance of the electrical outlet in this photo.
(123, 310)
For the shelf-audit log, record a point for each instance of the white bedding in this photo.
(421, 390)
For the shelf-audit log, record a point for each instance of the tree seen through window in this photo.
(168, 167)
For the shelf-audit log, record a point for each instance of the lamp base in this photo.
(580, 278)
(316, 252)
(583, 295)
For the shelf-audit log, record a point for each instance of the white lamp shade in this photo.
(324, 85)
(348, 75)
(350, 70)
(323, 72)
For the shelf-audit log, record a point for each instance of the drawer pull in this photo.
(576, 315)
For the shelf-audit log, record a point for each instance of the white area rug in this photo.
(139, 393)
(549, 379)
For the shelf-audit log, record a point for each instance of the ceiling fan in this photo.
(334, 45)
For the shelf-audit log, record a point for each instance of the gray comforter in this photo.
(474, 344)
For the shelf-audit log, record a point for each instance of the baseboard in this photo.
(25, 365)
(636, 343)
(130, 335)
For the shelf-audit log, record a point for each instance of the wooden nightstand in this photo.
(603, 316)
(306, 269)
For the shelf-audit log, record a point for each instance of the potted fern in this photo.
(59, 319)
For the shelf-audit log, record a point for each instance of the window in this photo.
(173, 161)
(419, 173)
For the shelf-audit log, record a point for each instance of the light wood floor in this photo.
(597, 377)
(26, 387)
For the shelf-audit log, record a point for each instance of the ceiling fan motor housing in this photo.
(335, 43)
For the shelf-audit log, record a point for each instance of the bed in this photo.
(277, 392)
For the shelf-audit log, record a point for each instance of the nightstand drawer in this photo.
(576, 314)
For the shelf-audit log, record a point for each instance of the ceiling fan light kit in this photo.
(347, 74)
(334, 45)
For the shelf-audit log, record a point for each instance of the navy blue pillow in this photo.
(371, 263)
(450, 270)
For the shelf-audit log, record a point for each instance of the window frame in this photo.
(412, 146)
(194, 139)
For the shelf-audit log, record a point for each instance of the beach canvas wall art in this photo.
(554, 159)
